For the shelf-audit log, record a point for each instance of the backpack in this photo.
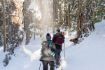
(47, 49)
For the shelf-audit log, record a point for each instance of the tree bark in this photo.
(4, 24)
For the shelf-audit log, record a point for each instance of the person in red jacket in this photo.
(58, 40)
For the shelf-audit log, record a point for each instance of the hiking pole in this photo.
(64, 50)
(39, 66)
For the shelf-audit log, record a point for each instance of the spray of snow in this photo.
(43, 11)
(33, 55)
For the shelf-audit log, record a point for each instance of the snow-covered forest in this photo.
(24, 24)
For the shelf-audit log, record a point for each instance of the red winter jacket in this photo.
(58, 38)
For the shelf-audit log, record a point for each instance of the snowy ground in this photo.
(88, 55)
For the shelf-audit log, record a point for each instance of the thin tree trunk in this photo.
(4, 25)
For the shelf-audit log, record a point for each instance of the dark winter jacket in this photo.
(58, 38)
(46, 52)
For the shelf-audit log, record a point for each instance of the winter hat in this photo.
(48, 36)
(58, 30)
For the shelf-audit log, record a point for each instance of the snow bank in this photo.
(88, 55)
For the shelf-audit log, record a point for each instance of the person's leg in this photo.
(57, 56)
(45, 65)
(51, 63)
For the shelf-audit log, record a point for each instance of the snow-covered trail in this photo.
(36, 54)
(88, 55)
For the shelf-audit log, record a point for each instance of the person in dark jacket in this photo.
(58, 40)
(47, 53)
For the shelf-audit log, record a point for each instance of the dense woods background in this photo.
(21, 19)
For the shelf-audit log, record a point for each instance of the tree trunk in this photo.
(4, 24)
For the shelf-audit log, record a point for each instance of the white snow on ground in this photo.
(88, 55)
